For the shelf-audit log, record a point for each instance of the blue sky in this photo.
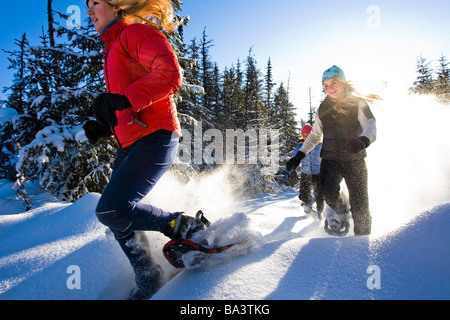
(375, 41)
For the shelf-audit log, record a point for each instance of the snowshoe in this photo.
(189, 243)
(175, 249)
(337, 228)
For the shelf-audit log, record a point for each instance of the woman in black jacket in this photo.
(347, 126)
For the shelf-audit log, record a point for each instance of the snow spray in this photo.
(409, 164)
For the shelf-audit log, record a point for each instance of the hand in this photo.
(105, 107)
(94, 131)
(358, 144)
(295, 161)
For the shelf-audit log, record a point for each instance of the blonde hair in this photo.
(351, 96)
(158, 13)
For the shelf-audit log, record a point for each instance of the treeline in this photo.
(240, 96)
(433, 80)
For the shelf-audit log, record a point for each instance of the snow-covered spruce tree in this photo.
(207, 79)
(284, 121)
(17, 60)
(232, 96)
(15, 101)
(282, 118)
(8, 158)
(269, 84)
(255, 115)
(190, 102)
(442, 84)
(424, 81)
(66, 79)
(216, 105)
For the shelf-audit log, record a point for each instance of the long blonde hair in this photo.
(158, 13)
(351, 96)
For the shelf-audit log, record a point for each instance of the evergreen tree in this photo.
(20, 130)
(206, 73)
(285, 122)
(176, 4)
(216, 95)
(51, 22)
(312, 110)
(56, 152)
(255, 115)
(10, 136)
(8, 154)
(268, 86)
(232, 97)
(190, 107)
(177, 42)
(18, 60)
(192, 73)
(424, 81)
(442, 83)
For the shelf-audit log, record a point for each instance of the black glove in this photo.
(358, 144)
(106, 105)
(295, 161)
(94, 131)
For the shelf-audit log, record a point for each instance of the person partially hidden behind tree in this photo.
(348, 127)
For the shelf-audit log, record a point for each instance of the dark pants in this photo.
(355, 175)
(310, 182)
(136, 171)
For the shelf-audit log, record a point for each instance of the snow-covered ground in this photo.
(296, 260)
(60, 251)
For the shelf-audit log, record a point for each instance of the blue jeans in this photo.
(135, 173)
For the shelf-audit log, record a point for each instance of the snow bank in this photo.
(299, 261)
(39, 246)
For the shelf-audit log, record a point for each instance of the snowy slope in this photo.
(407, 257)
(299, 261)
(39, 246)
(296, 260)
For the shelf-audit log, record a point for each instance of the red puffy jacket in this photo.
(140, 63)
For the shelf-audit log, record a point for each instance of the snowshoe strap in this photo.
(201, 217)
(175, 249)
(200, 224)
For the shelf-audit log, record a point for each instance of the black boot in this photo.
(147, 273)
(183, 227)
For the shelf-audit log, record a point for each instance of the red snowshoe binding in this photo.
(175, 249)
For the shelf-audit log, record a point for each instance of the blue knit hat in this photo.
(334, 72)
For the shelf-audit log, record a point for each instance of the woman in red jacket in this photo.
(142, 74)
